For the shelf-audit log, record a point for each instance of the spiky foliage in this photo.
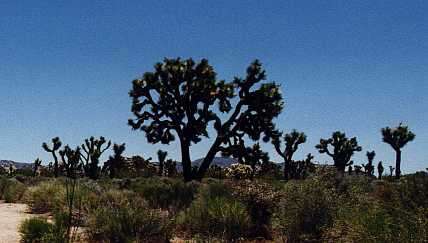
(92, 150)
(115, 163)
(343, 149)
(292, 141)
(300, 169)
(380, 170)
(161, 158)
(36, 166)
(180, 97)
(56, 145)
(397, 138)
(369, 167)
(71, 161)
(170, 168)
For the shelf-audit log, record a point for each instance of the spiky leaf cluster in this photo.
(397, 137)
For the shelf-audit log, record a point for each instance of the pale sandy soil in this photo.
(11, 216)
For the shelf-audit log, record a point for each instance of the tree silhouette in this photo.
(369, 167)
(391, 170)
(292, 141)
(36, 166)
(343, 149)
(56, 145)
(397, 137)
(92, 151)
(71, 161)
(115, 163)
(380, 169)
(179, 98)
(161, 157)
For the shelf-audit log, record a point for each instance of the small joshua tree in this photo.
(170, 168)
(36, 166)
(292, 141)
(391, 170)
(93, 149)
(115, 163)
(343, 149)
(161, 157)
(350, 170)
(380, 169)
(397, 137)
(369, 167)
(56, 145)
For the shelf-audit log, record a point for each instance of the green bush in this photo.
(306, 208)
(123, 217)
(33, 230)
(166, 193)
(46, 197)
(11, 190)
(215, 214)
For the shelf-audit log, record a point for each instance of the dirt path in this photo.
(11, 216)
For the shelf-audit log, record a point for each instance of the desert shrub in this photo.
(123, 217)
(305, 209)
(48, 196)
(11, 190)
(239, 171)
(34, 229)
(216, 214)
(166, 193)
(260, 200)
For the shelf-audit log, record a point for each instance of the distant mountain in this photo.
(17, 165)
(219, 161)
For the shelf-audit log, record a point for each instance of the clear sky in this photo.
(356, 66)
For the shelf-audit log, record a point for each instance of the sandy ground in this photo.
(11, 216)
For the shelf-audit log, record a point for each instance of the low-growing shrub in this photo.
(34, 229)
(48, 196)
(11, 190)
(166, 193)
(215, 214)
(123, 217)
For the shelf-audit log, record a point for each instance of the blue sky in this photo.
(354, 66)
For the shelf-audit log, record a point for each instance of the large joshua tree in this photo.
(292, 141)
(56, 145)
(343, 149)
(397, 137)
(183, 98)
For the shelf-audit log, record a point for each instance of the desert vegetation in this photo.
(81, 198)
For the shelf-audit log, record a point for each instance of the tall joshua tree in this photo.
(292, 141)
(92, 151)
(343, 149)
(182, 98)
(56, 145)
(161, 157)
(397, 137)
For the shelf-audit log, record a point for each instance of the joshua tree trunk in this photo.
(185, 161)
(208, 159)
(398, 164)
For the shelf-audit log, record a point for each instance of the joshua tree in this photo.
(115, 163)
(300, 169)
(391, 170)
(170, 167)
(180, 99)
(56, 145)
(380, 170)
(93, 149)
(343, 149)
(397, 137)
(292, 141)
(350, 170)
(369, 167)
(36, 166)
(357, 169)
(161, 157)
